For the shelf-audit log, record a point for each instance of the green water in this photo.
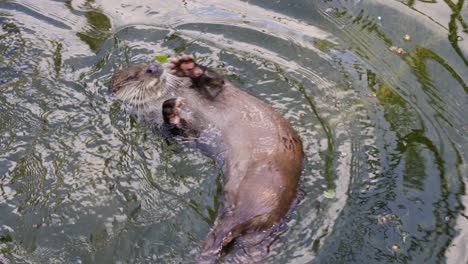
(385, 135)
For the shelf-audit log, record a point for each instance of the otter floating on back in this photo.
(259, 153)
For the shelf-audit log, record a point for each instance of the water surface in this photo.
(385, 135)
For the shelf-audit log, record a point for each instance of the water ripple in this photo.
(81, 181)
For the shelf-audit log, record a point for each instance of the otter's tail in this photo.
(222, 234)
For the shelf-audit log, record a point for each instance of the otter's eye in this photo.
(153, 69)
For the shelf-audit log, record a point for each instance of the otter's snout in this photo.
(137, 83)
(141, 73)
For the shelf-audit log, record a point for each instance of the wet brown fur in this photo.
(262, 154)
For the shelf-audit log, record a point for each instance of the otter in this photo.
(258, 151)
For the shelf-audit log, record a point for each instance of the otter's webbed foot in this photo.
(174, 125)
(185, 66)
(204, 80)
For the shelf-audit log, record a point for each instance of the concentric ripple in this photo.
(384, 134)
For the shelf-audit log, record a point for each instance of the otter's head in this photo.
(139, 85)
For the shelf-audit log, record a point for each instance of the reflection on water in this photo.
(384, 135)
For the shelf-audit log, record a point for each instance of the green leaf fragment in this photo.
(329, 194)
(162, 58)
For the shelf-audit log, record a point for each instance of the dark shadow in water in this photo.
(100, 24)
(453, 28)
(410, 3)
(372, 26)
(456, 15)
(57, 57)
(445, 211)
(417, 62)
(10, 53)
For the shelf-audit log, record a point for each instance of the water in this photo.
(385, 135)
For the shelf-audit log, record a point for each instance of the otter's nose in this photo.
(153, 69)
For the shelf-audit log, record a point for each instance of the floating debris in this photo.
(398, 51)
(382, 220)
(393, 217)
(395, 248)
(330, 194)
(162, 58)
(407, 37)
(379, 18)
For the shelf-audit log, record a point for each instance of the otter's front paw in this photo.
(171, 110)
(185, 67)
